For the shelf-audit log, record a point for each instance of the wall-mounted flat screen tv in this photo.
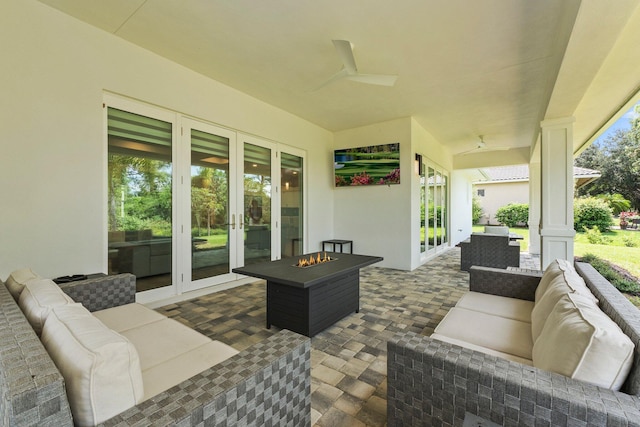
(372, 165)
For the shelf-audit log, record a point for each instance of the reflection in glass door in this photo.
(257, 203)
(291, 213)
(209, 205)
(139, 207)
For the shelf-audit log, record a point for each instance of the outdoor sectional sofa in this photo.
(441, 381)
(266, 384)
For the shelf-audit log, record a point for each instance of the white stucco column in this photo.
(556, 161)
(534, 207)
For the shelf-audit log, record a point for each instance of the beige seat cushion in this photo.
(511, 308)
(484, 350)
(128, 316)
(581, 342)
(17, 279)
(170, 352)
(485, 330)
(101, 368)
(37, 299)
(171, 372)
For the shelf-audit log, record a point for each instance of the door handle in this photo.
(240, 221)
(233, 221)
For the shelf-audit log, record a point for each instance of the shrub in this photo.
(616, 202)
(476, 210)
(611, 274)
(590, 212)
(513, 214)
(629, 241)
(595, 237)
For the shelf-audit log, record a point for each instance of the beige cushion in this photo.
(16, 281)
(564, 283)
(37, 299)
(100, 367)
(485, 330)
(554, 269)
(170, 352)
(496, 229)
(165, 375)
(128, 316)
(581, 342)
(511, 308)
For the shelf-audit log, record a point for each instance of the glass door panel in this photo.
(431, 196)
(210, 255)
(257, 204)
(291, 210)
(445, 221)
(140, 198)
(423, 209)
(438, 211)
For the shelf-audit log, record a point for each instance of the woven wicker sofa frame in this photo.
(266, 384)
(433, 383)
(489, 250)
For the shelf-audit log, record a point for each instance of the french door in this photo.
(189, 201)
(229, 215)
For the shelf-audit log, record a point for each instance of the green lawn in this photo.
(615, 252)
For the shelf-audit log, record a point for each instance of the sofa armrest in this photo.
(268, 383)
(102, 292)
(516, 283)
(431, 382)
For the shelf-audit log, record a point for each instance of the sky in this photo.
(623, 123)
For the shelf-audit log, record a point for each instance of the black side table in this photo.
(336, 242)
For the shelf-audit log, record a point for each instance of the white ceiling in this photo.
(466, 68)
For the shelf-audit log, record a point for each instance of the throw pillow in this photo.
(101, 368)
(17, 279)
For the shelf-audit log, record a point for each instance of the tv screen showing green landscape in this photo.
(372, 165)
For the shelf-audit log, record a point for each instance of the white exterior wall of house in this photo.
(53, 165)
(498, 194)
(56, 70)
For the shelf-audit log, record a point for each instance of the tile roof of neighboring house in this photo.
(521, 173)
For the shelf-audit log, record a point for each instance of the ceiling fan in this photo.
(350, 70)
(482, 146)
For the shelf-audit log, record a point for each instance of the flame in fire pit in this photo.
(314, 260)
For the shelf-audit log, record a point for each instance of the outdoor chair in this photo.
(489, 250)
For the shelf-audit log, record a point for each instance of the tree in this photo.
(617, 159)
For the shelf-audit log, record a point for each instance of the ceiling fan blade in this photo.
(345, 52)
(337, 76)
(374, 79)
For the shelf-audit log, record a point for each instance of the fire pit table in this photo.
(311, 298)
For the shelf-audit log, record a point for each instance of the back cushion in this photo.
(101, 368)
(567, 281)
(555, 268)
(16, 281)
(37, 299)
(581, 342)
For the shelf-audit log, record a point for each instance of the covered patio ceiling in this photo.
(495, 68)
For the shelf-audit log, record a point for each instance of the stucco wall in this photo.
(56, 70)
(500, 194)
